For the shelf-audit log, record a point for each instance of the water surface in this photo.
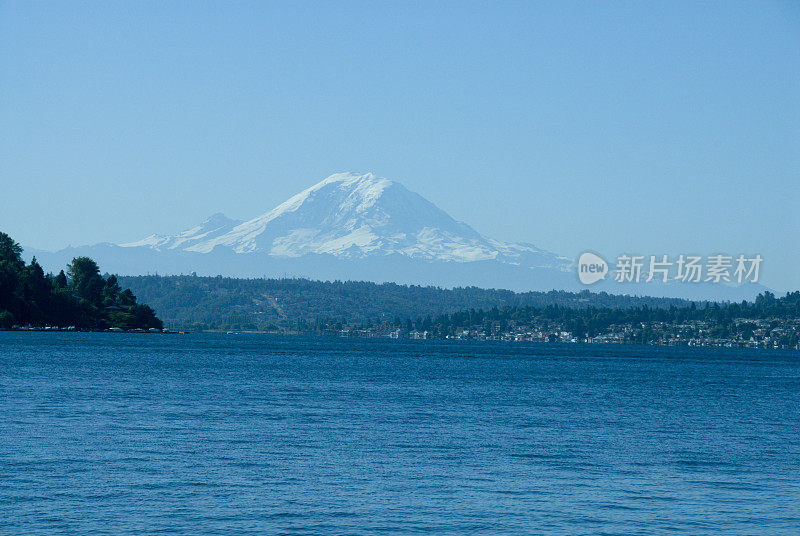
(254, 434)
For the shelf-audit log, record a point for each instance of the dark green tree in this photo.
(85, 280)
(11, 266)
(37, 292)
(111, 290)
(60, 281)
(10, 251)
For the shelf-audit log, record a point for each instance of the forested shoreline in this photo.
(297, 304)
(352, 308)
(79, 298)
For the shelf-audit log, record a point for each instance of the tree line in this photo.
(591, 321)
(81, 297)
(296, 304)
(302, 305)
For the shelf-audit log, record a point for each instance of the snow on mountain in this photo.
(213, 226)
(353, 216)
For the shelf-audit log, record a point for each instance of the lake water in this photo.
(255, 434)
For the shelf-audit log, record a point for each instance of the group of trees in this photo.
(289, 304)
(222, 303)
(725, 319)
(81, 297)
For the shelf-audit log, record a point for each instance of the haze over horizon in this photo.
(655, 129)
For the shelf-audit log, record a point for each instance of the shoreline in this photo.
(73, 329)
(153, 331)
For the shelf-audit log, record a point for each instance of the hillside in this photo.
(185, 302)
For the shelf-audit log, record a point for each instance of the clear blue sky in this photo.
(634, 126)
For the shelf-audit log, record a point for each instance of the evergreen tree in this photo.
(60, 281)
(37, 292)
(111, 291)
(11, 266)
(85, 280)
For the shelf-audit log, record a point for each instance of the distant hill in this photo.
(286, 304)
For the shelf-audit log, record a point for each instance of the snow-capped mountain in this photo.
(357, 227)
(353, 216)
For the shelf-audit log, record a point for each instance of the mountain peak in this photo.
(353, 215)
(349, 177)
(365, 185)
(218, 218)
(338, 192)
